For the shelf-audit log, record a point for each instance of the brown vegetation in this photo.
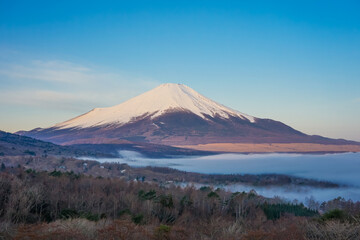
(58, 205)
(159, 175)
(274, 147)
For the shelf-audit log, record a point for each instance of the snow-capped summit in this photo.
(171, 114)
(160, 100)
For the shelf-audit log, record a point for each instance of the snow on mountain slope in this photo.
(154, 103)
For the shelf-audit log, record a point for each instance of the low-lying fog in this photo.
(339, 168)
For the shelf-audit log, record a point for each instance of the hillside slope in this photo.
(173, 114)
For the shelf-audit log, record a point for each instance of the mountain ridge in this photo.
(17, 145)
(164, 98)
(174, 114)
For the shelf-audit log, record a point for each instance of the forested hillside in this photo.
(65, 205)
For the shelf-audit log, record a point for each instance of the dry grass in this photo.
(332, 230)
(272, 147)
(80, 229)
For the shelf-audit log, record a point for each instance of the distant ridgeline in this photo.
(176, 115)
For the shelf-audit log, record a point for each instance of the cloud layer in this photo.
(339, 168)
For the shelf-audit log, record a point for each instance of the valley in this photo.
(179, 120)
(173, 164)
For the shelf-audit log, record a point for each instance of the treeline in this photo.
(156, 174)
(58, 205)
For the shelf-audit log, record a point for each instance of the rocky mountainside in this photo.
(172, 114)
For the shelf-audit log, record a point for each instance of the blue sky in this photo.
(294, 61)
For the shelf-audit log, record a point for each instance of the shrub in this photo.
(334, 214)
(166, 201)
(123, 212)
(147, 196)
(69, 213)
(213, 195)
(72, 214)
(275, 211)
(205, 189)
(55, 173)
(162, 232)
(138, 218)
(28, 152)
(90, 216)
(185, 202)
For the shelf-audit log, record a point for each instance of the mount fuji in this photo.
(172, 114)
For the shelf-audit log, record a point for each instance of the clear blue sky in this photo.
(293, 61)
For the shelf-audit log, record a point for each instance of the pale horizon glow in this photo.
(295, 62)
